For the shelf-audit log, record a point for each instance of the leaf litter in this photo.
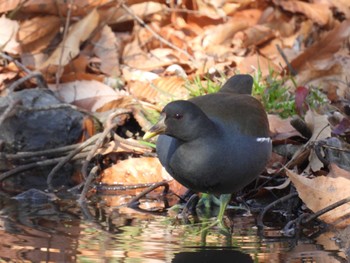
(104, 56)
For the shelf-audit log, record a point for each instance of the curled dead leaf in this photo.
(322, 191)
(321, 129)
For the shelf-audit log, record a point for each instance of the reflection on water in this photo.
(59, 232)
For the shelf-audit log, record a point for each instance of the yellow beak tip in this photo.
(148, 135)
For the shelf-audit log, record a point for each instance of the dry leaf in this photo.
(160, 90)
(9, 5)
(36, 34)
(89, 95)
(319, 13)
(335, 171)
(107, 48)
(251, 64)
(342, 6)
(257, 35)
(321, 192)
(142, 10)
(70, 47)
(281, 129)
(8, 32)
(61, 7)
(323, 49)
(130, 74)
(321, 129)
(221, 33)
(131, 171)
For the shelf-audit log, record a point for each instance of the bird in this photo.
(217, 143)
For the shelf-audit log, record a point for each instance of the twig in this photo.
(65, 33)
(39, 154)
(9, 110)
(157, 36)
(260, 219)
(68, 158)
(37, 164)
(108, 127)
(292, 71)
(18, 64)
(39, 77)
(131, 143)
(325, 210)
(135, 201)
(88, 182)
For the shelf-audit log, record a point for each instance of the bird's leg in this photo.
(224, 200)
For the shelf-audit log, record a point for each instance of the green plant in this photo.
(196, 87)
(275, 97)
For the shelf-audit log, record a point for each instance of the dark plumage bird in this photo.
(216, 143)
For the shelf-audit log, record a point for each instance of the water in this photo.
(60, 232)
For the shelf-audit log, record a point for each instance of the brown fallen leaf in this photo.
(321, 129)
(136, 171)
(319, 13)
(322, 191)
(89, 95)
(59, 8)
(8, 32)
(132, 171)
(6, 6)
(257, 35)
(143, 10)
(36, 34)
(323, 49)
(342, 6)
(107, 48)
(221, 33)
(252, 63)
(281, 129)
(160, 90)
(70, 47)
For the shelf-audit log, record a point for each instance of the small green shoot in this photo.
(277, 98)
(196, 87)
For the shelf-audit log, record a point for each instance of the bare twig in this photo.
(88, 182)
(157, 36)
(292, 71)
(260, 219)
(37, 75)
(325, 210)
(136, 200)
(38, 154)
(29, 166)
(68, 158)
(108, 127)
(9, 110)
(65, 33)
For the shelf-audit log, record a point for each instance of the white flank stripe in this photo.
(263, 139)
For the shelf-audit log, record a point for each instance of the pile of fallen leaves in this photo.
(136, 55)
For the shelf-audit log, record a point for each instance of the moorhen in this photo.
(217, 143)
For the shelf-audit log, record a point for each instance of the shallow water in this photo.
(60, 232)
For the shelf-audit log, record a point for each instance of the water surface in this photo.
(61, 232)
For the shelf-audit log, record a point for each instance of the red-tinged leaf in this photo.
(300, 100)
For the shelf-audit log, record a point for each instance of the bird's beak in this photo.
(156, 129)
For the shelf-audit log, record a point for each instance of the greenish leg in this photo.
(224, 200)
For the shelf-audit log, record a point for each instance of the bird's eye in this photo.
(178, 116)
